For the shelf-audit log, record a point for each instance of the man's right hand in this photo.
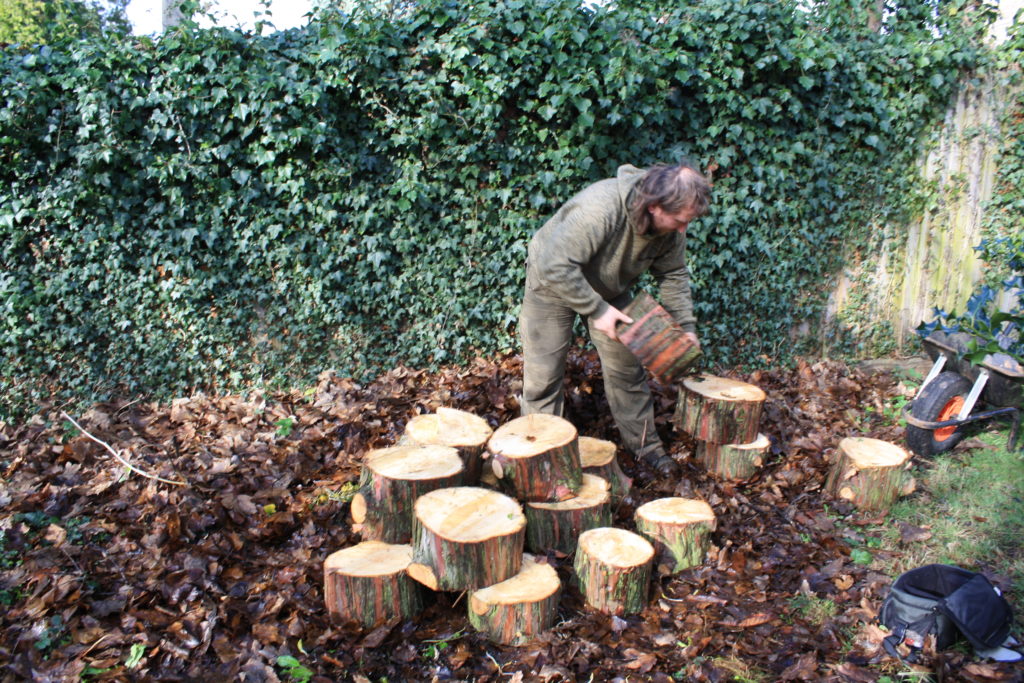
(607, 321)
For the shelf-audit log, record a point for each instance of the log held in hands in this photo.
(368, 583)
(869, 473)
(718, 409)
(391, 481)
(656, 339)
(466, 537)
(517, 609)
(537, 458)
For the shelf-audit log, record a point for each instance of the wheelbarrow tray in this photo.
(1005, 386)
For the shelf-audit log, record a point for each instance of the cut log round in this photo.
(465, 432)
(680, 530)
(391, 481)
(557, 526)
(368, 583)
(656, 339)
(597, 456)
(613, 567)
(517, 609)
(536, 458)
(466, 537)
(718, 409)
(733, 460)
(869, 473)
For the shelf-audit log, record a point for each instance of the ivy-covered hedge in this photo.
(214, 209)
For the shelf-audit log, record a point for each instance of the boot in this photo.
(664, 465)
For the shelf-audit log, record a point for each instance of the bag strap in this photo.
(922, 627)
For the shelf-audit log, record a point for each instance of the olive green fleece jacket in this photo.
(590, 252)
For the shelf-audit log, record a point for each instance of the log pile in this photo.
(723, 416)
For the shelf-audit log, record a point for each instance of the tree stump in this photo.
(557, 526)
(465, 432)
(536, 457)
(368, 583)
(466, 537)
(679, 529)
(613, 567)
(869, 473)
(597, 456)
(656, 339)
(718, 409)
(517, 609)
(733, 460)
(391, 481)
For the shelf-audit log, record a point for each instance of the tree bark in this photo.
(463, 431)
(597, 456)
(679, 529)
(466, 537)
(368, 583)
(613, 567)
(557, 526)
(719, 410)
(656, 339)
(518, 609)
(733, 460)
(391, 481)
(537, 458)
(869, 473)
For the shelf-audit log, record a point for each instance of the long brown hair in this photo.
(673, 188)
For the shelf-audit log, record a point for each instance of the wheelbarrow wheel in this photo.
(940, 400)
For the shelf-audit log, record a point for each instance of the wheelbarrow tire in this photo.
(940, 400)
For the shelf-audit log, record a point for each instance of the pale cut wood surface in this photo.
(595, 452)
(449, 427)
(865, 452)
(414, 462)
(723, 388)
(535, 581)
(594, 491)
(529, 435)
(468, 514)
(616, 547)
(369, 558)
(677, 510)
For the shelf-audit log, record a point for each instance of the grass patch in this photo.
(972, 502)
(814, 609)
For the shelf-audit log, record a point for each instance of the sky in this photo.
(145, 14)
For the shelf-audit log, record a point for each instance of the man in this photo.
(584, 261)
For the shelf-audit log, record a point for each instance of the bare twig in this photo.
(117, 455)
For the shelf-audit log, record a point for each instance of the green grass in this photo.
(972, 501)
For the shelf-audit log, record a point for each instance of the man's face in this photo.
(664, 222)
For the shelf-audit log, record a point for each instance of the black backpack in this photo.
(947, 601)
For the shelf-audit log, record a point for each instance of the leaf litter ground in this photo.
(219, 579)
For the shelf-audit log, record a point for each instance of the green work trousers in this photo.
(545, 327)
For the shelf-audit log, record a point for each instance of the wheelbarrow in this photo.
(954, 387)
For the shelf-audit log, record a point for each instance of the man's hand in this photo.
(606, 322)
(692, 337)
